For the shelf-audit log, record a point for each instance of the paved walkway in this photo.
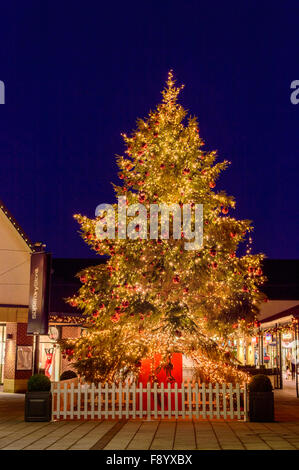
(153, 435)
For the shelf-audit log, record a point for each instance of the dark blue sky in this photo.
(77, 74)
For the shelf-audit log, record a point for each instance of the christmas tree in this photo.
(154, 295)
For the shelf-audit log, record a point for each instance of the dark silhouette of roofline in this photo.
(17, 226)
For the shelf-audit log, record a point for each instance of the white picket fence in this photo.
(191, 400)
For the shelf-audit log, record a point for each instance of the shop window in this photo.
(2, 351)
(50, 354)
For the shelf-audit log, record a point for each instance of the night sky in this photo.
(77, 74)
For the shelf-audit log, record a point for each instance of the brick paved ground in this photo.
(154, 435)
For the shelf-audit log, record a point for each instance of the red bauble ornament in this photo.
(225, 210)
(176, 280)
(83, 279)
(214, 264)
(115, 318)
(233, 234)
(213, 252)
(212, 184)
(186, 171)
(141, 197)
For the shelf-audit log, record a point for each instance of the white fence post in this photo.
(134, 392)
(217, 391)
(140, 400)
(79, 401)
(92, 401)
(120, 400)
(127, 395)
(72, 402)
(155, 400)
(238, 401)
(183, 399)
(113, 400)
(99, 401)
(58, 400)
(148, 396)
(106, 401)
(162, 400)
(204, 403)
(176, 404)
(231, 401)
(224, 400)
(169, 399)
(245, 399)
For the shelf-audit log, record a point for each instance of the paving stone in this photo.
(144, 437)
(124, 436)
(164, 437)
(93, 436)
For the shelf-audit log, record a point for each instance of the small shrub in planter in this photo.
(68, 374)
(38, 399)
(261, 399)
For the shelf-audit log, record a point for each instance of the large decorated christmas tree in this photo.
(153, 296)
